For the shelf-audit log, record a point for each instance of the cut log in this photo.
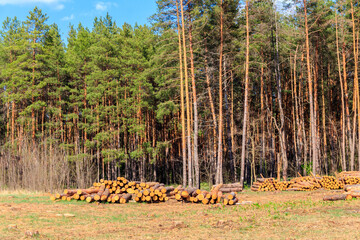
(87, 191)
(216, 189)
(233, 189)
(348, 188)
(231, 195)
(187, 192)
(168, 189)
(233, 201)
(83, 197)
(335, 197)
(90, 198)
(105, 195)
(69, 192)
(125, 198)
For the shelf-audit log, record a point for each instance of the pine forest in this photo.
(209, 91)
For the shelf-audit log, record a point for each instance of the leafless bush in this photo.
(43, 168)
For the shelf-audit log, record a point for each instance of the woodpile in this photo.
(331, 183)
(304, 184)
(157, 193)
(228, 188)
(122, 191)
(216, 195)
(308, 183)
(350, 192)
(264, 185)
(118, 191)
(349, 177)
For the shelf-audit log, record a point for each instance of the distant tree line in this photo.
(211, 91)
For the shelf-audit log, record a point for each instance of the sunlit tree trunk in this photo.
(183, 128)
(243, 144)
(311, 98)
(196, 122)
(190, 177)
(219, 175)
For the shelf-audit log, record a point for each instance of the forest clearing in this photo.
(259, 213)
(210, 103)
(265, 215)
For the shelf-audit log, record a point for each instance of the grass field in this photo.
(285, 215)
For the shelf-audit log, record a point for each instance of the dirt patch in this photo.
(283, 215)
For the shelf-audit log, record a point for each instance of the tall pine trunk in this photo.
(311, 98)
(343, 118)
(190, 177)
(183, 128)
(356, 79)
(243, 144)
(196, 122)
(279, 93)
(219, 174)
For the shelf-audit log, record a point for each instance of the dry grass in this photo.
(300, 215)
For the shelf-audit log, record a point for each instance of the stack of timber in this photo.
(308, 183)
(230, 199)
(296, 184)
(350, 192)
(156, 193)
(264, 185)
(304, 184)
(122, 191)
(194, 195)
(118, 191)
(331, 183)
(349, 177)
(228, 188)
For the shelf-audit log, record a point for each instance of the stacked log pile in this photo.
(308, 183)
(304, 184)
(122, 191)
(157, 193)
(349, 177)
(350, 192)
(228, 188)
(331, 183)
(266, 185)
(219, 194)
(117, 191)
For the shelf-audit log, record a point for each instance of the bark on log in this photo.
(87, 191)
(105, 195)
(70, 192)
(335, 197)
(228, 190)
(348, 188)
(125, 198)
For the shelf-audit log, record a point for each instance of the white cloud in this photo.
(59, 7)
(68, 18)
(103, 6)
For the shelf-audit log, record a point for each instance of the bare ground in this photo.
(274, 215)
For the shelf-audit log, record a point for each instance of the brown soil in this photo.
(283, 215)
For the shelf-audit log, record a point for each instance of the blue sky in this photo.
(65, 12)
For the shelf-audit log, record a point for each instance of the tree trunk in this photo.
(356, 78)
(343, 118)
(212, 108)
(190, 182)
(228, 132)
(282, 119)
(219, 175)
(183, 129)
(311, 98)
(243, 144)
(196, 123)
